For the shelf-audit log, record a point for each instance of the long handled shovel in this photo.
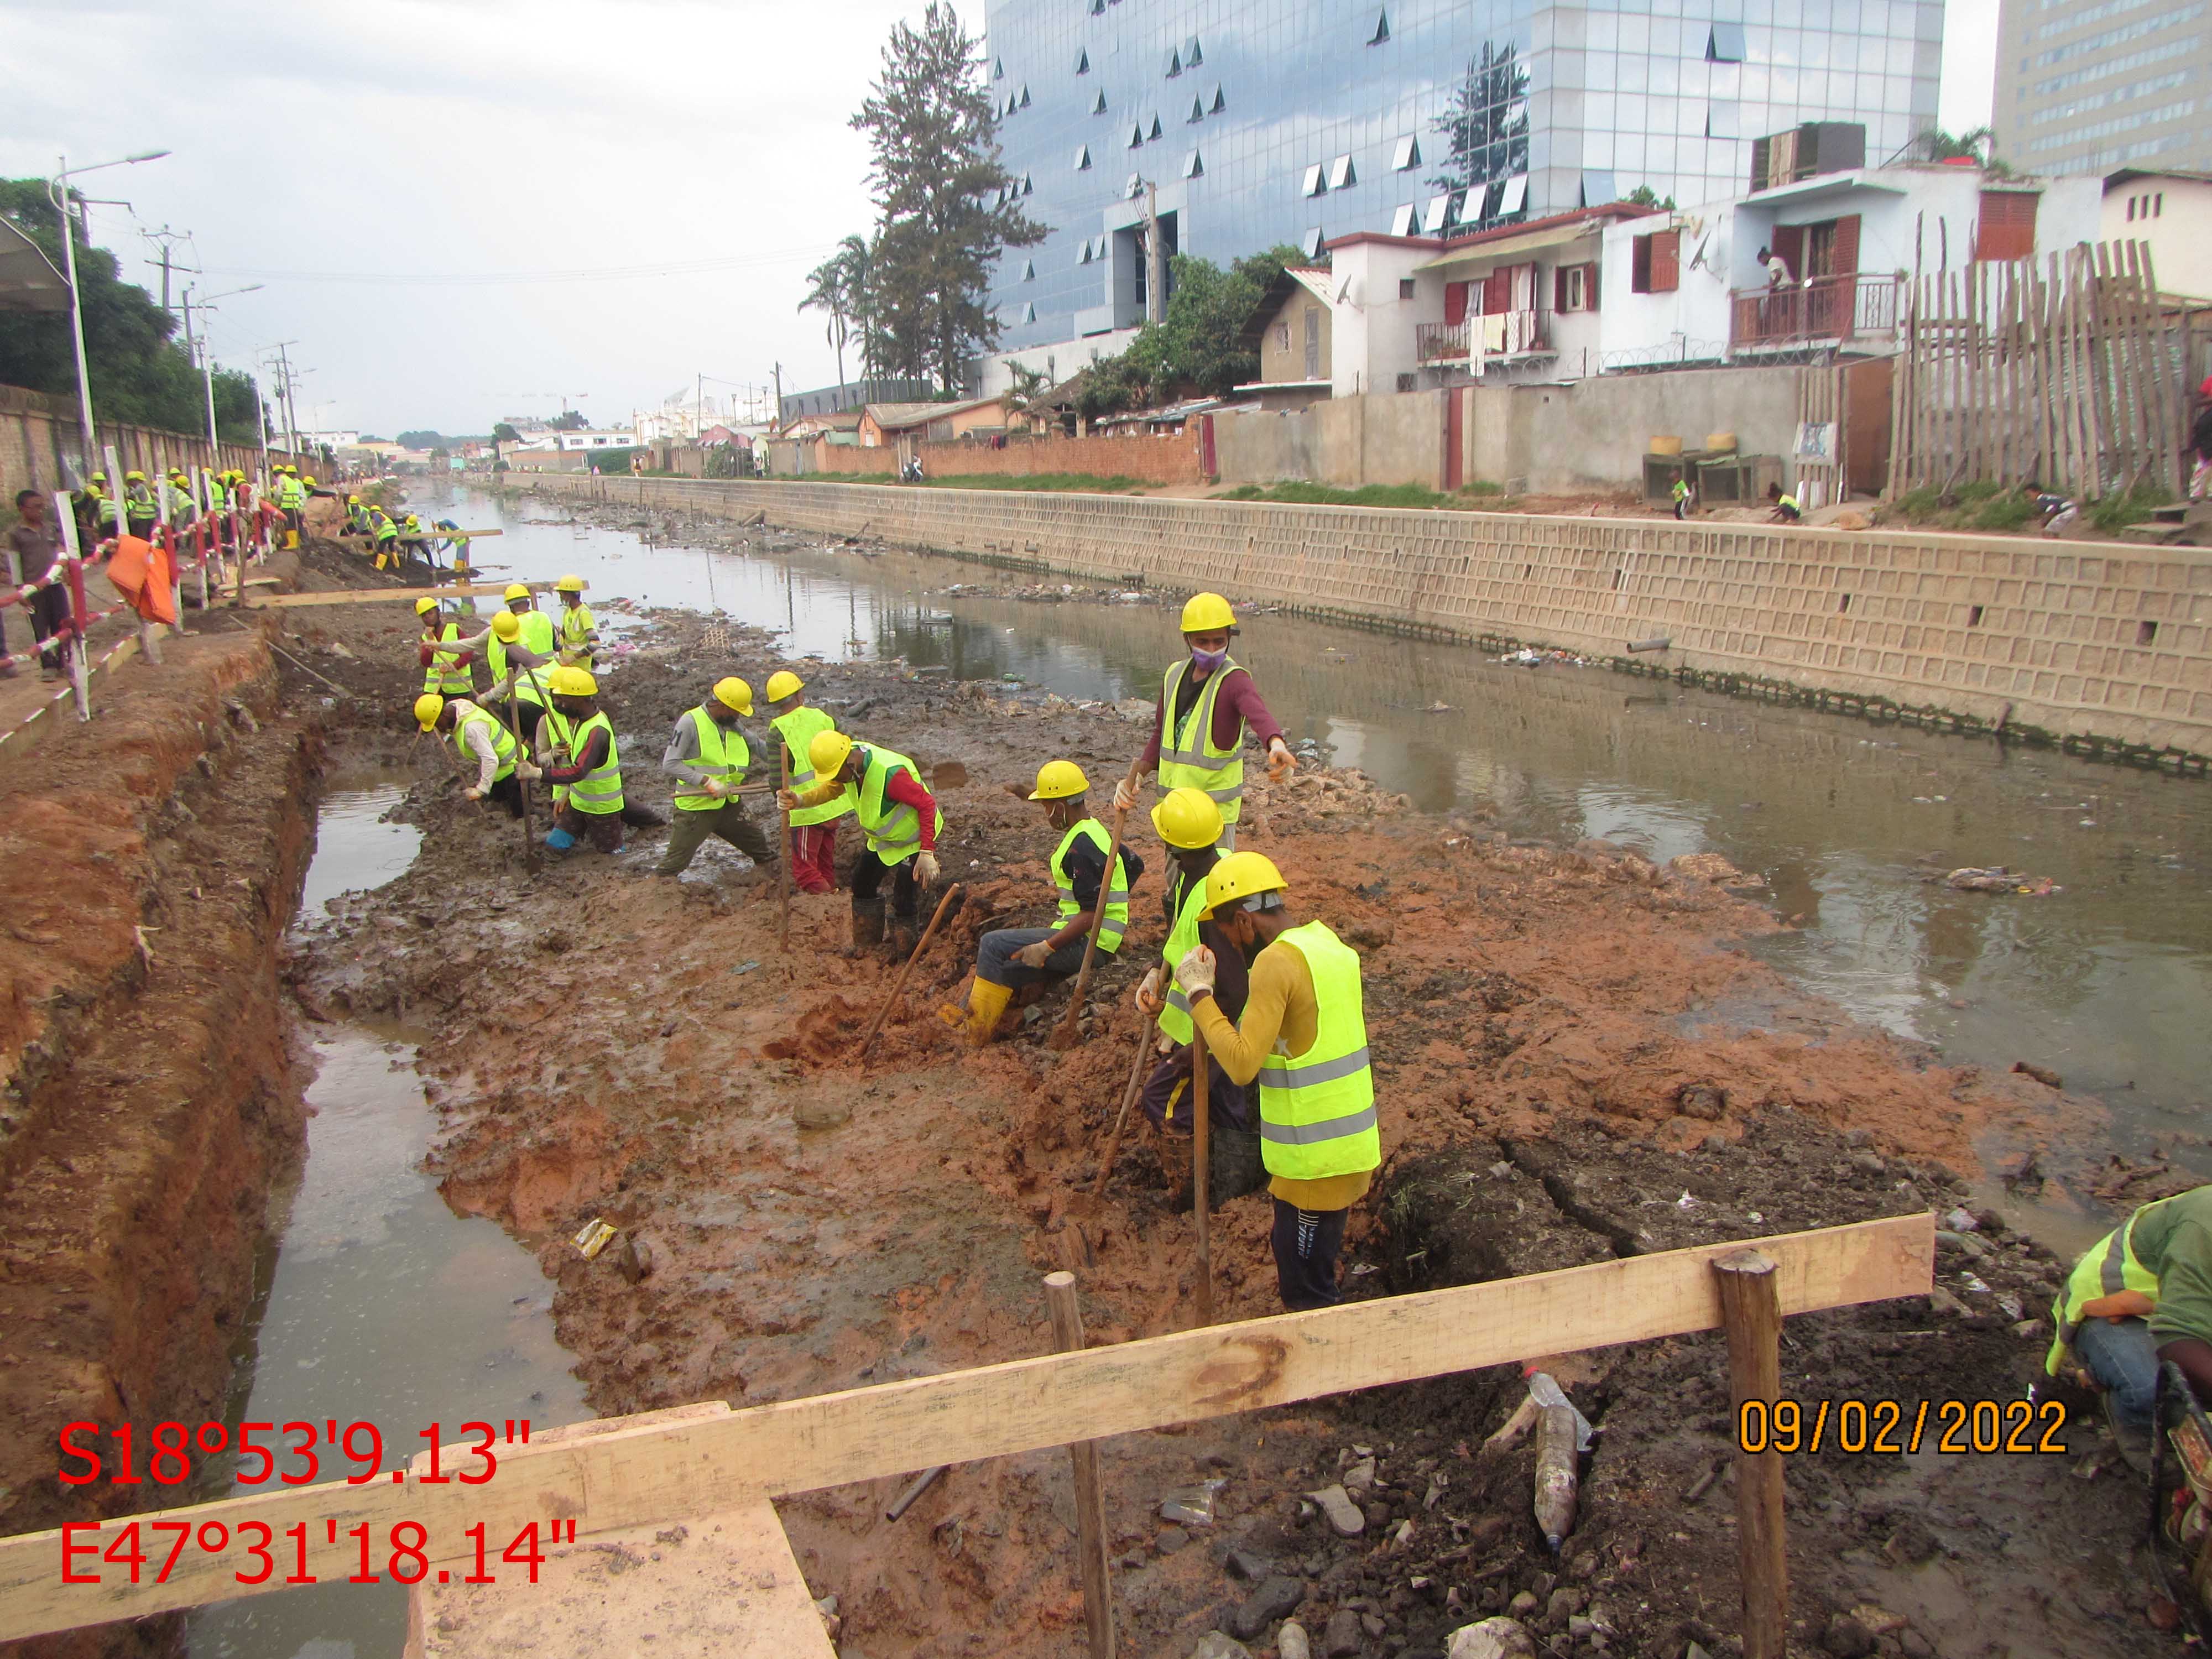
(899, 984)
(1063, 1034)
(1129, 1093)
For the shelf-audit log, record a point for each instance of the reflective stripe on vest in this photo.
(1317, 1109)
(601, 789)
(799, 727)
(445, 675)
(893, 835)
(1174, 1017)
(724, 754)
(1189, 759)
(1117, 896)
(502, 741)
(529, 685)
(2109, 1267)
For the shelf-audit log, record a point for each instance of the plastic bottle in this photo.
(1557, 1474)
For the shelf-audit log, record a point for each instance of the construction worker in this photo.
(1189, 824)
(708, 757)
(1303, 1038)
(884, 793)
(385, 535)
(1207, 703)
(137, 502)
(478, 735)
(292, 502)
(2142, 1295)
(445, 664)
(813, 849)
(177, 497)
(516, 670)
(582, 763)
(578, 629)
(1009, 958)
(356, 516)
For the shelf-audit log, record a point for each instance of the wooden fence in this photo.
(2074, 374)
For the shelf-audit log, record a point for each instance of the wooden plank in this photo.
(638, 1475)
(374, 595)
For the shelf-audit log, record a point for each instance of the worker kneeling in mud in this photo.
(478, 736)
(577, 742)
(1009, 958)
(1189, 824)
(899, 817)
(2141, 1297)
(1303, 1039)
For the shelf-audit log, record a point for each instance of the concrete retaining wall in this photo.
(36, 430)
(1165, 461)
(2096, 640)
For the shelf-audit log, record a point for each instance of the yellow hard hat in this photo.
(1239, 877)
(353, 501)
(569, 585)
(826, 754)
(100, 478)
(424, 607)
(1206, 611)
(307, 478)
(784, 683)
(506, 627)
(413, 523)
(1058, 780)
(572, 683)
(133, 475)
(734, 693)
(428, 708)
(516, 590)
(1187, 819)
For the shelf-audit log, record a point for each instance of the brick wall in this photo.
(37, 429)
(2102, 639)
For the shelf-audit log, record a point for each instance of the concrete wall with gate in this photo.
(2108, 641)
(37, 429)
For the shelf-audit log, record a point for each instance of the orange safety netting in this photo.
(141, 574)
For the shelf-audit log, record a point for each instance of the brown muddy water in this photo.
(1851, 824)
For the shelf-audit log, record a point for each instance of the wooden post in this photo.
(1751, 1314)
(1201, 1196)
(521, 754)
(783, 852)
(1063, 1035)
(1129, 1093)
(1090, 1496)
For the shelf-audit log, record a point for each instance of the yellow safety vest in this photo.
(576, 627)
(1317, 1109)
(893, 835)
(600, 790)
(1183, 938)
(502, 741)
(445, 676)
(799, 727)
(723, 751)
(2110, 1267)
(538, 639)
(1114, 892)
(1189, 759)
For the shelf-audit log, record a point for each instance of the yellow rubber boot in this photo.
(986, 1003)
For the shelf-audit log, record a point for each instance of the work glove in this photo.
(787, 800)
(1281, 763)
(1195, 973)
(528, 772)
(716, 788)
(925, 869)
(1148, 995)
(1034, 955)
(1125, 796)
(473, 792)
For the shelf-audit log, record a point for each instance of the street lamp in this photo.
(206, 359)
(58, 196)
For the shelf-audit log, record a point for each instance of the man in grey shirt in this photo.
(34, 551)
(708, 756)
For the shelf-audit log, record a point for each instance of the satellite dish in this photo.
(1697, 258)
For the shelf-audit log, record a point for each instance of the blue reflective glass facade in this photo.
(1267, 121)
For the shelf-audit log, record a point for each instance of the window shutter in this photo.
(1761, 151)
(1844, 250)
(1454, 304)
(1789, 241)
(2007, 230)
(1497, 291)
(1666, 261)
(1559, 289)
(1589, 286)
(1639, 274)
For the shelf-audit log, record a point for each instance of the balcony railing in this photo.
(1505, 334)
(1821, 308)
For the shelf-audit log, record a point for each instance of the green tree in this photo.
(1975, 144)
(947, 204)
(1195, 347)
(141, 375)
(569, 420)
(828, 289)
(1485, 129)
(421, 438)
(505, 433)
(1644, 197)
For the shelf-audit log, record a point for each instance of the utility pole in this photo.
(164, 237)
(778, 371)
(1156, 308)
(698, 406)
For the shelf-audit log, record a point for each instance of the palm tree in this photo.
(827, 291)
(1974, 145)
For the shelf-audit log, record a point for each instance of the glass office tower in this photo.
(1259, 122)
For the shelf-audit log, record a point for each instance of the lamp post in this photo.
(59, 197)
(207, 359)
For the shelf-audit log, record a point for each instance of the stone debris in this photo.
(1343, 1516)
(1493, 1638)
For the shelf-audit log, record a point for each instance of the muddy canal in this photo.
(369, 1263)
(1852, 824)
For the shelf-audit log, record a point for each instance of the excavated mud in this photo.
(1576, 1058)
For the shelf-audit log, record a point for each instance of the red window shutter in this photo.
(2007, 230)
(1454, 304)
(1497, 291)
(1639, 272)
(1666, 261)
(1844, 250)
(1559, 289)
(1789, 242)
(1589, 285)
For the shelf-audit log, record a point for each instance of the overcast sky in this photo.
(488, 140)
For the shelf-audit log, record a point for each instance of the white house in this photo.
(2173, 213)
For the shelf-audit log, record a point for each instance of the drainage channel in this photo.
(380, 1304)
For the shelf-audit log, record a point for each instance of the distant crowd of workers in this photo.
(1276, 995)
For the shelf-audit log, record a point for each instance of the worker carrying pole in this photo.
(479, 736)
(518, 646)
(2141, 1295)
(1190, 824)
(708, 756)
(577, 741)
(813, 849)
(901, 819)
(1303, 1038)
(1008, 959)
(1207, 703)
